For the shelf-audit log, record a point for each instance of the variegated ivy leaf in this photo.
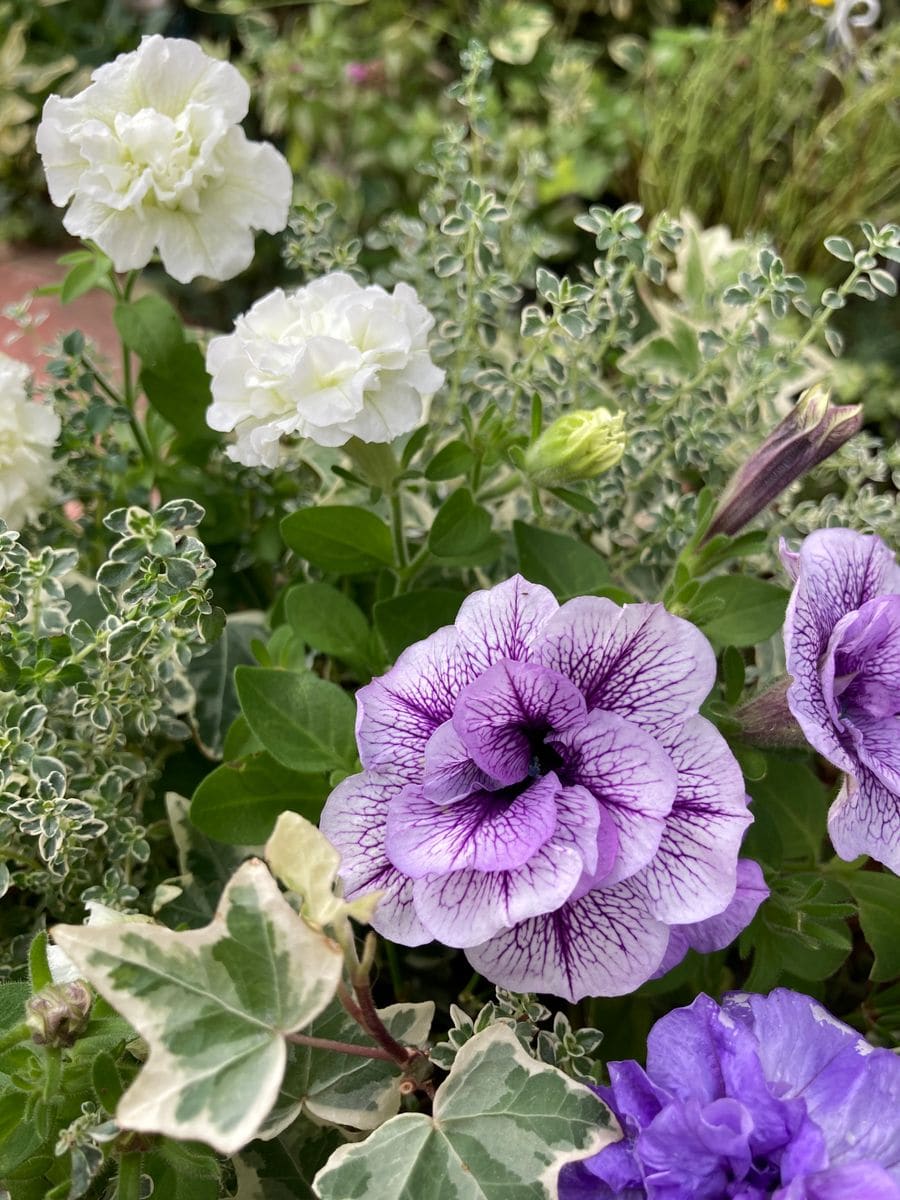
(502, 1128)
(341, 1088)
(213, 1005)
(306, 862)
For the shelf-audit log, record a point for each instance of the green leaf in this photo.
(213, 1005)
(341, 1088)
(339, 538)
(283, 1168)
(240, 802)
(460, 527)
(565, 565)
(150, 327)
(212, 678)
(748, 610)
(503, 1126)
(790, 807)
(331, 623)
(12, 1004)
(451, 461)
(521, 28)
(402, 620)
(178, 388)
(84, 276)
(878, 897)
(305, 722)
(38, 966)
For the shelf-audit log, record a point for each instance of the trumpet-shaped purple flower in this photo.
(842, 638)
(540, 792)
(767, 1096)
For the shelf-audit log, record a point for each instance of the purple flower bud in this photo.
(812, 431)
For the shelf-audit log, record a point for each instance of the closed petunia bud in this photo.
(578, 445)
(59, 1013)
(812, 431)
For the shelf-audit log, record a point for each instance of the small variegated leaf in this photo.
(502, 1128)
(213, 1005)
(342, 1089)
(307, 863)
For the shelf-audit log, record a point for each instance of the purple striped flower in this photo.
(765, 1097)
(842, 639)
(540, 791)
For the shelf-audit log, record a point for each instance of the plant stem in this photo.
(397, 528)
(317, 1043)
(128, 1183)
(15, 1036)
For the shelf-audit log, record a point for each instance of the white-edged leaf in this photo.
(307, 863)
(343, 1089)
(502, 1128)
(213, 1005)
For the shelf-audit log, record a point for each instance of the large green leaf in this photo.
(503, 1125)
(239, 802)
(460, 527)
(410, 617)
(790, 805)
(331, 623)
(344, 1089)
(339, 538)
(565, 565)
(150, 327)
(213, 1005)
(178, 388)
(212, 677)
(283, 1168)
(742, 611)
(305, 722)
(878, 897)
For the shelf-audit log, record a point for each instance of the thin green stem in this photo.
(15, 1036)
(128, 1183)
(397, 528)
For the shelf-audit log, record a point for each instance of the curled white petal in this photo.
(28, 433)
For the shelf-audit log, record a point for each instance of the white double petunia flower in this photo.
(330, 361)
(152, 156)
(28, 433)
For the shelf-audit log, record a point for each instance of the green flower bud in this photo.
(59, 1013)
(579, 445)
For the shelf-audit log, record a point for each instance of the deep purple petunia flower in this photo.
(842, 638)
(767, 1096)
(540, 791)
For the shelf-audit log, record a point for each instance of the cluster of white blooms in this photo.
(330, 361)
(152, 156)
(28, 433)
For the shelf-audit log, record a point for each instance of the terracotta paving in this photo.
(24, 268)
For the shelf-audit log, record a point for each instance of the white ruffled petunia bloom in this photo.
(330, 361)
(28, 433)
(152, 156)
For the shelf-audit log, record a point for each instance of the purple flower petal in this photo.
(632, 778)
(593, 833)
(865, 819)
(605, 944)
(693, 874)
(839, 570)
(353, 820)
(398, 712)
(859, 1181)
(487, 831)
(719, 931)
(512, 705)
(877, 746)
(467, 907)
(638, 661)
(449, 772)
(503, 622)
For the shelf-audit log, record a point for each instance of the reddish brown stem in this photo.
(317, 1043)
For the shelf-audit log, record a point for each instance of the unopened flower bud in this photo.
(812, 431)
(59, 1013)
(578, 445)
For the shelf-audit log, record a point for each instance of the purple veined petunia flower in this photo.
(540, 791)
(763, 1097)
(842, 640)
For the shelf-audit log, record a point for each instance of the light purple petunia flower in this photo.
(842, 638)
(765, 1097)
(540, 791)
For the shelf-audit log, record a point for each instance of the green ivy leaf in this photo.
(305, 722)
(239, 802)
(402, 620)
(565, 565)
(343, 1089)
(213, 1005)
(503, 1126)
(212, 678)
(747, 610)
(339, 538)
